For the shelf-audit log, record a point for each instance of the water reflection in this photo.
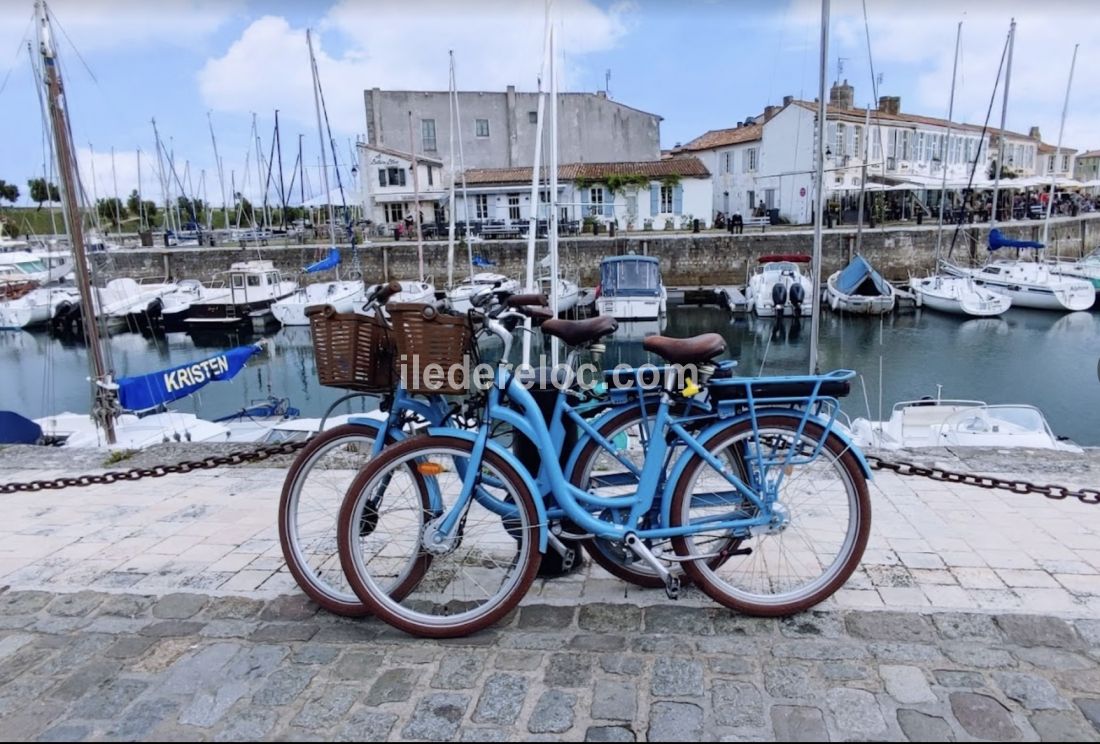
(1026, 356)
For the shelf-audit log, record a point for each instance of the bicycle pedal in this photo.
(672, 587)
(568, 559)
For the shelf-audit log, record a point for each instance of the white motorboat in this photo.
(914, 424)
(631, 288)
(344, 296)
(860, 290)
(131, 431)
(1031, 284)
(176, 305)
(36, 307)
(958, 295)
(460, 295)
(113, 304)
(1085, 268)
(568, 293)
(254, 286)
(32, 267)
(778, 287)
(411, 291)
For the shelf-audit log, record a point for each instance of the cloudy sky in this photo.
(701, 64)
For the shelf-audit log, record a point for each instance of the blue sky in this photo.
(701, 64)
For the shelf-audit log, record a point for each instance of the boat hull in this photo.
(344, 296)
(1061, 294)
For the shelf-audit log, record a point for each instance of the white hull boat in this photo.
(569, 293)
(631, 289)
(411, 291)
(860, 290)
(132, 431)
(35, 308)
(254, 286)
(42, 267)
(1031, 284)
(916, 424)
(778, 287)
(959, 296)
(1087, 268)
(459, 297)
(344, 296)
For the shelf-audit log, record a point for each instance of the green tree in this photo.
(133, 203)
(43, 191)
(9, 192)
(243, 207)
(111, 210)
(186, 205)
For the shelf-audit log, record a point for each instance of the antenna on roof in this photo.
(840, 68)
(607, 83)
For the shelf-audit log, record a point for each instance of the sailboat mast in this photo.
(1001, 137)
(321, 139)
(221, 172)
(118, 202)
(141, 204)
(1058, 150)
(462, 171)
(950, 115)
(162, 177)
(102, 402)
(819, 190)
(282, 183)
(451, 124)
(416, 200)
(863, 177)
(552, 221)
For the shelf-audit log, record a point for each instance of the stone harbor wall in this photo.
(687, 260)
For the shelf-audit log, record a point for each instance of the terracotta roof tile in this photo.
(1089, 154)
(677, 166)
(724, 137)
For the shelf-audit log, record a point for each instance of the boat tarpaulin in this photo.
(998, 240)
(852, 280)
(143, 392)
(331, 261)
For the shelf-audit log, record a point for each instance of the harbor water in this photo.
(1049, 360)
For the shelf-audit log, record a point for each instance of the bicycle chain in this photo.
(1084, 495)
(157, 471)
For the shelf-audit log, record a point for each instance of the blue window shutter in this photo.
(654, 196)
(678, 199)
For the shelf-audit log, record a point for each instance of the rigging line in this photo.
(54, 19)
(974, 166)
(874, 93)
(18, 49)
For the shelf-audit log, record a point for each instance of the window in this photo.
(1050, 164)
(752, 201)
(891, 142)
(430, 175)
(481, 204)
(930, 146)
(533, 117)
(666, 200)
(391, 176)
(769, 198)
(481, 127)
(427, 134)
(513, 206)
(830, 138)
(750, 160)
(1065, 162)
(238, 281)
(393, 212)
(841, 133)
(271, 279)
(596, 199)
(727, 162)
(906, 143)
(253, 280)
(857, 141)
(876, 144)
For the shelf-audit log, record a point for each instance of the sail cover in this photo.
(859, 278)
(331, 261)
(998, 240)
(143, 392)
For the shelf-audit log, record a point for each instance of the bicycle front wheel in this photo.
(472, 575)
(817, 525)
(313, 491)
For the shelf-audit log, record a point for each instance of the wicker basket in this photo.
(352, 351)
(429, 343)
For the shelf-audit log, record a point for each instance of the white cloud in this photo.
(398, 45)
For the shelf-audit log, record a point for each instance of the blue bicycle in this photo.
(754, 494)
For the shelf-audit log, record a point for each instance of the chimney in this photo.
(889, 104)
(740, 124)
(842, 95)
(788, 100)
(770, 111)
(601, 94)
(1034, 134)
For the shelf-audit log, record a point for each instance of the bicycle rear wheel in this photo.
(818, 526)
(476, 574)
(312, 493)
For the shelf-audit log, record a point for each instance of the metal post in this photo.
(1058, 151)
(819, 184)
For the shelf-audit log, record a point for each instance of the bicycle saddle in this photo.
(697, 349)
(577, 332)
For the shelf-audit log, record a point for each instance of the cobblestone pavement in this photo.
(92, 665)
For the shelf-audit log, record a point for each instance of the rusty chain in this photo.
(1084, 495)
(157, 471)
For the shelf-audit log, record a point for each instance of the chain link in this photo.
(1084, 495)
(157, 471)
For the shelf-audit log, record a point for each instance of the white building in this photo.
(388, 190)
(658, 195)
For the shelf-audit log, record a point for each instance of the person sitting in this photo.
(738, 223)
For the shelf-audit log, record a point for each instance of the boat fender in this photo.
(779, 295)
(798, 296)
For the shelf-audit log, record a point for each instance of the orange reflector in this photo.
(429, 468)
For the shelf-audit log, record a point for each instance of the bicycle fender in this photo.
(471, 437)
(711, 431)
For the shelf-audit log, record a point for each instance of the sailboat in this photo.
(342, 295)
(943, 292)
(1027, 283)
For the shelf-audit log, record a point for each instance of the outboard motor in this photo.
(798, 296)
(66, 318)
(779, 297)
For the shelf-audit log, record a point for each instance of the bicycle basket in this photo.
(431, 348)
(352, 351)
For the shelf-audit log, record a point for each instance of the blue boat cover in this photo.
(16, 429)
(149, 391)
(856, 273)
(482, 262)
(998, 240)
(331, 261)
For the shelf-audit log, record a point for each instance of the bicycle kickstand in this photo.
(672, 582)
